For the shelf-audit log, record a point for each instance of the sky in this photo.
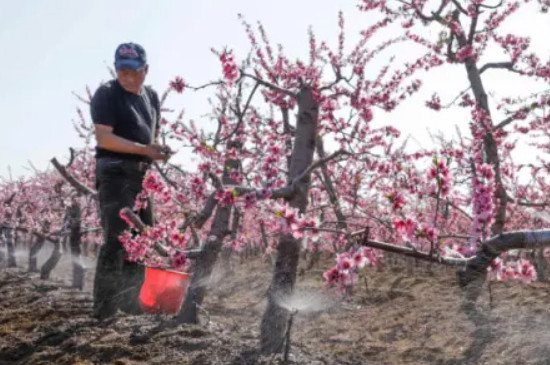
(51, 49)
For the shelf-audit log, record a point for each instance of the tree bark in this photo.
(227, 264)
(10, 245)
(540, 264)
(56, 254)
(275, 318)
(2, 243)
(79, 272)
(210, 251)
(33, 252)
(52, 261)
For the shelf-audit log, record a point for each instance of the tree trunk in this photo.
(227, 264)
(79, 271)
(57, 252)
(540, 264)
(275, 318)
(85, 248)
(210, 251)
(2, 243)
(33, 252)
(52, 261)
(10, 245)
(489, 145)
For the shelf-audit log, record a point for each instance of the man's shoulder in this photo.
(107, 88)
(105, 95)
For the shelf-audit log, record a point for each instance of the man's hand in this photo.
(159, 152)
(109, 141)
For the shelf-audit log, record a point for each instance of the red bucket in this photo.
(162, 291)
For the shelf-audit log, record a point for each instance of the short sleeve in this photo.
(102, 106)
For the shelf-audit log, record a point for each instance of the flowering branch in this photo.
(516, 115)
(464, 213)
(435, 15)
(318, 163)
(41, 236)
(505, 65)
(270, 85)
(137, 222)
(80, 187)
(52, 237)
(160, 248)
(476, 267)
(197, 88)
(240, 113)
(491, 7)
(216, 181)
(534, 205)
(473, 26)
(199, 220)
(411, 252)
(162, 173)
(459, 7)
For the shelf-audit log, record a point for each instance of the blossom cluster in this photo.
(289, 221)
(348, 265)
(521, 269)
(230, 68)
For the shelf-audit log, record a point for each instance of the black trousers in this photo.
(117, 281)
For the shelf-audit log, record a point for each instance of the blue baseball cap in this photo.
(130, 55)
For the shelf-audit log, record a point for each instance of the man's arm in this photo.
(106, 139)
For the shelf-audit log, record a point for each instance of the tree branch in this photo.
(533, 205)
(160, 248)
(199, 220)
(240, 114)
(476, 267)
(473, 27)
(318, 163)
(80, 187)
(286, 192)
(165, 177)
(10, 199)
(196, 88)
(506, 65)
(215, 180)
(410, 252)
(491, 7)
(42, 236)
(270, 86)
(514, 116)
(459, 7)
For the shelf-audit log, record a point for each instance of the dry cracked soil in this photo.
(403, 313)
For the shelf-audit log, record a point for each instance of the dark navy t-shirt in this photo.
(133, 117)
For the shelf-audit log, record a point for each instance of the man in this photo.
(126, 116)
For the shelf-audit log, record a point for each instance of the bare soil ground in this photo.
(398, 315)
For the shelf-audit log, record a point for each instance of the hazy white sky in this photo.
(51, 48)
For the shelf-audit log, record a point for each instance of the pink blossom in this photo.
(464, 53)
(230, 69)
(179, 260)
(178, 84)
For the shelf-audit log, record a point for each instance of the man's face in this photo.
(132, 80)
